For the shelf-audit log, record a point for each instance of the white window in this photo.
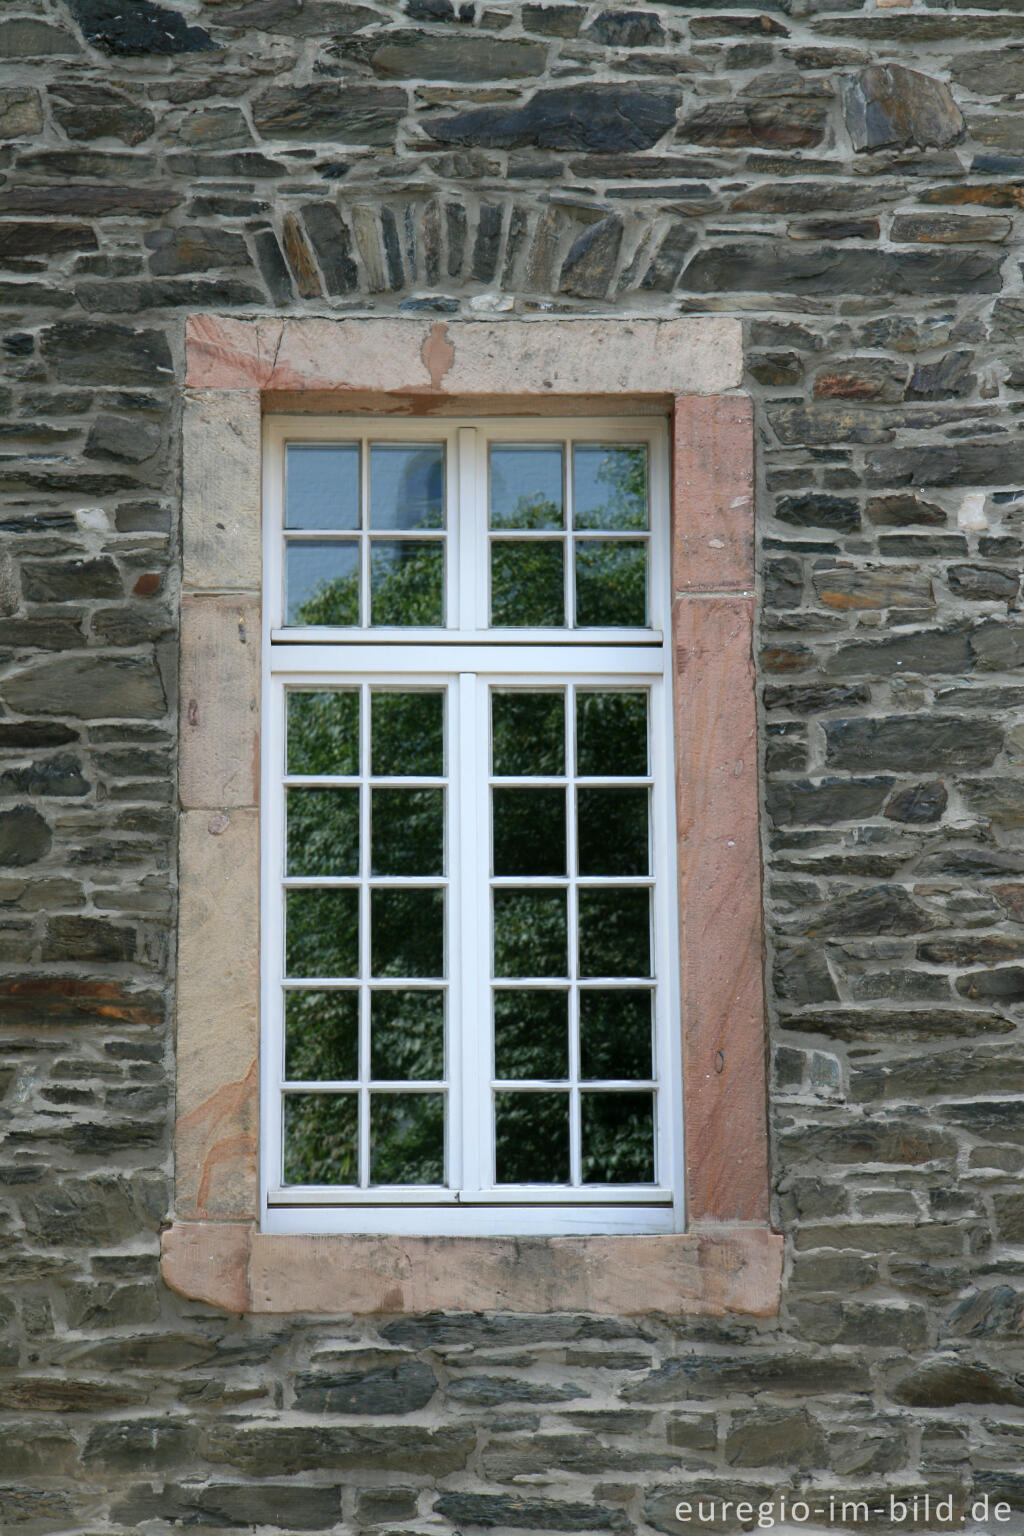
(469, 996)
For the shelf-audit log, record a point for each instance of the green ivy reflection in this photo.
(321, 1138)
(407, 1138)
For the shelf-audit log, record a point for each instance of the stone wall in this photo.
(774, 162)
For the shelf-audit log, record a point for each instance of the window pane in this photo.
(407, 485)
(322, 485)
(407, 734)
(323, 732)
(609, 485)
(526, 486)
(407, 832)
(611, 583)
(531, 1034)
(531, 1133)
(322, 933)
(321, 1138)
(406, 1036)
(407, 933)
(528, 733)
(612, 831)
(529, 831)
(615, 1033)
(615, 933)
(618, 1138)
(407, 1138)
(407, 583)
(527, 583)
(323, 832)
(321, 582)
(529, 933)
(321, 1036)
(611, 734)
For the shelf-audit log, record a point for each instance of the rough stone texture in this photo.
(889, 105)
(889, 520)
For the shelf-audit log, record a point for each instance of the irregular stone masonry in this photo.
(846, 177)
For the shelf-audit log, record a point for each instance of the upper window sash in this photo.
(461, 534)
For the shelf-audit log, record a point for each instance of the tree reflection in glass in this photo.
(321, 1036)
(615, 1033)
(323, 832)
(407, 733)
(529, 831)
(321, 1138)
(527, 732)
(618, 1138)
(615, 932)
(611, 734)
(611, 583)
(531, 1033)
(322, 932)
(529, 933)
(406, 1035)
(610, 485)
(406, 1138)
(531, 1134)
(323, 732)
(528, 583)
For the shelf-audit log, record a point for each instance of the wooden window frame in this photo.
(728, 1260)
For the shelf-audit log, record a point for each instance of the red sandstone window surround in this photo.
(728, 1259)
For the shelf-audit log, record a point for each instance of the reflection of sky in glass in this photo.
(322, 485)
(309, 566)
(407, 486)
(609, 486)
(522, 478)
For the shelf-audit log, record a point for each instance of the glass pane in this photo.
(526, 486)
(529, 831)
(407, 485)
(321, 582)
(321, 1138)
(531, 1134)
(527, 583)
(611, 583)
(407, 832)
(609, 485)
(615, 1034)
(407, 933)
(612, 831)
(611, 734)
(323, 732)
(618, 1138)
(406, 1036)
(322, 485)
(407, 583)
(615, 933)
(531, 1034)
(321, 1032)
(407, 1138)
(323, 832)
(407, 735)
(528, 732)
(322, 933)
(529, 933)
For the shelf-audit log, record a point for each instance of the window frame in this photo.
(469, 657)
(729, 1260)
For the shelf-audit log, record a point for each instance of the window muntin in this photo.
(402, 1099)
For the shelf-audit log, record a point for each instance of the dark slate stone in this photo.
(138, 27)
(93, 353)
(627, 29)
(815, 510)
(139, 1445)
(272, 265)
(901, 511)
(784, 124)
(553, 20)
(96, 111)
(31, 734)
(24, 836)
(346, 113)
(946, 1382)
(814, 698)
(823, 802)
(399, 55)
(802, 976)
(432, 305)
(276, 1449)
(601, 118)
(161, 293)
(87, 938)
(58, 581)
(329, 236)
(998, 462)
(590, 263)
(392, 250)
(919, 805)
(887, 104)
(876, 910)
(925, 652)
(126, 439)
(948, 379)
(96, 201)
(664, 269)
(194, 248)
(1005, 984)
(501, 1509)
(88, 687)
(23, 38)
(914, 743)
(455, 228)
(213, 1505)
(39, 238)
(716, 1376)
(762, 267)
(390, 1387)
(487, 242)
(984, 582)
(60, 775)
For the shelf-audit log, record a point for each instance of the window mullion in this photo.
(469, 1053)
(466, 524)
